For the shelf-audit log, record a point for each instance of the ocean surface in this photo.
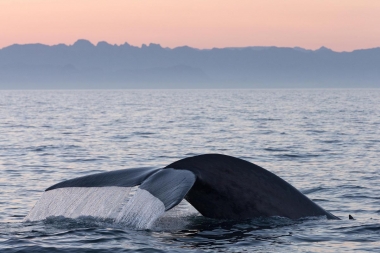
(326, 143)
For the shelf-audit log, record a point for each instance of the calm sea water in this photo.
(324, 142)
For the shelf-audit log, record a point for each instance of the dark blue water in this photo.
(324, 142)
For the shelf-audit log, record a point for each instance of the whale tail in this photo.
(217, 186)
(116, 195)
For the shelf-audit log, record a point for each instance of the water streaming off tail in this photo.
(129, 206)
(73, 202)
(141, 211)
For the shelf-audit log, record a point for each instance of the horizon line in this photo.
(158, 44)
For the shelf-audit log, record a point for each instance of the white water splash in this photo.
(141, 211)
(176, 218)
(129, 206)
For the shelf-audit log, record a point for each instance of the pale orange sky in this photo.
(342, 25)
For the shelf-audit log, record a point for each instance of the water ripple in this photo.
(324, 142)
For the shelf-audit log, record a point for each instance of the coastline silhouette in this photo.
(86, 66)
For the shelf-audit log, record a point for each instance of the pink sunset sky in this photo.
(342, 25)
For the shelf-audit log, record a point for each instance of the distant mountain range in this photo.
(84, 65)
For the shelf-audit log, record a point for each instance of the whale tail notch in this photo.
(169, 185)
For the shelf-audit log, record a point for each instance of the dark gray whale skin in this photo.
(120, 178)
(230, 188)
(218, 186)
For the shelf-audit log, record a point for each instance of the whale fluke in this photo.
(217, 186)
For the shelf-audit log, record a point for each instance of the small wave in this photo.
(266, 132)
(267, 119)
(71, 146)
(121, 137)
(83, 160)
(143, 133)
(18, 126)
(42, 148)
(316, 131)
(17, 216)
(362, 229)
(330, 141)
(36, 166)
(352, 186)
(275, 149)
(311, 238)
(358, 196)
(297, 155)
(312, 190)
(290, 156)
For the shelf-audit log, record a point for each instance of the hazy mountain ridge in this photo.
(84, 65)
